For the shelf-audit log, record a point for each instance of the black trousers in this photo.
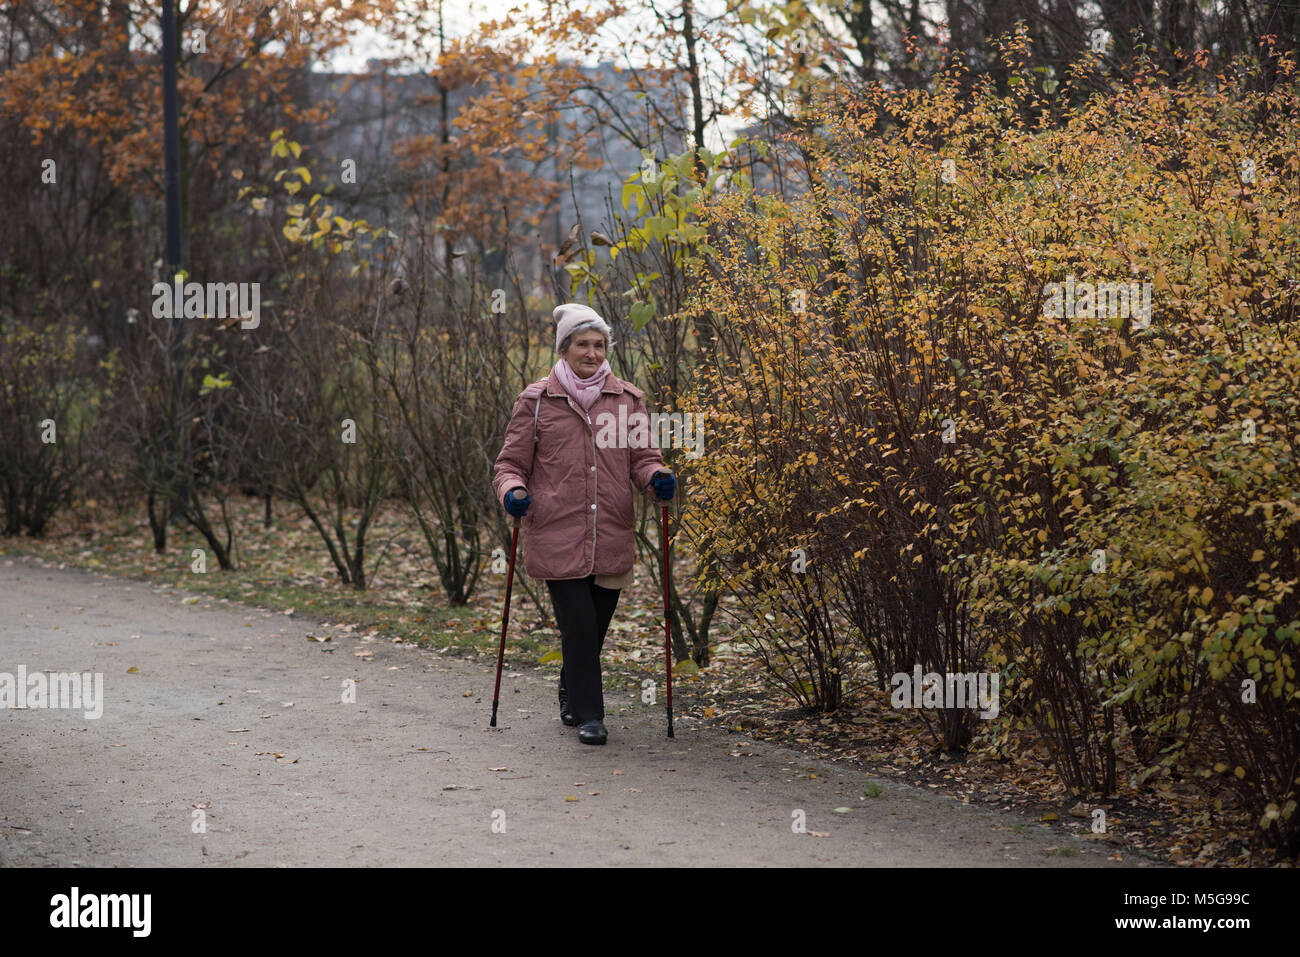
(582, 610)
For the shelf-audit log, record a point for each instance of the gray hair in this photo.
(600, 325)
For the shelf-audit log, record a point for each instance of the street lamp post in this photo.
(172, 168)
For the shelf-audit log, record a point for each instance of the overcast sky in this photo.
(459, 19)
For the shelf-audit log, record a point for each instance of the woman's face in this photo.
(585, 353)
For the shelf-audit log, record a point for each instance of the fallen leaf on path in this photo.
(571, 797)
(1050, 816)
(616, 772)
(498, 769)
(236, 730)
(133, 670)
(819, 833)
(363, 653)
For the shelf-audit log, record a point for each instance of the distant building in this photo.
(375, 111)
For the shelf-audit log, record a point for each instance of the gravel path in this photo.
(234, 713)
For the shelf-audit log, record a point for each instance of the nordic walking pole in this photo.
(668, 641)
(505, 616)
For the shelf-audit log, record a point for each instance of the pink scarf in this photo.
(585, 391)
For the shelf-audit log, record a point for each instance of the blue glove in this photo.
(665, 485)
(517, 507)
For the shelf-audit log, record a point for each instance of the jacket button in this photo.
(593, 468)
(593, 504)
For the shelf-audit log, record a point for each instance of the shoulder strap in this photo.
(536, 408)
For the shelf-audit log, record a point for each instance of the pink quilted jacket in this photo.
(580, 520)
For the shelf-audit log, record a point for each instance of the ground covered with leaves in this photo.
(284, 568)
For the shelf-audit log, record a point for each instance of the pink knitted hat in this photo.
(574, 317)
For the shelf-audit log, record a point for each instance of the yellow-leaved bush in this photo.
(1018, 375)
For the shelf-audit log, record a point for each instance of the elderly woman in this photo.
(578, 530)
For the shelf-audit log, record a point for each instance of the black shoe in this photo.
(592, 732)
(566, 716)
